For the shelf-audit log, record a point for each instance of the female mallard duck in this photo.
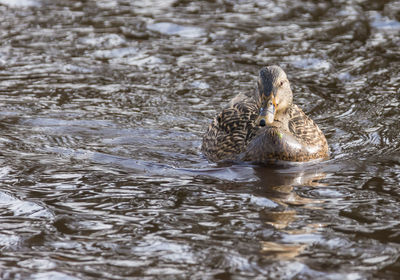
(264, 127)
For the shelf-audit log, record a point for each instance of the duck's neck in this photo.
(282, 114)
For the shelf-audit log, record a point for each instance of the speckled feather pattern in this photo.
(234, 136)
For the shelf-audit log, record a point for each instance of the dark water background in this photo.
(102, 109)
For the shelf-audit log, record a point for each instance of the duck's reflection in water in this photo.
(279, 185)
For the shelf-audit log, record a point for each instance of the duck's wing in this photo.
(305, 130)
(230, 131)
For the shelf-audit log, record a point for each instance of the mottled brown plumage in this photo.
(264, 127)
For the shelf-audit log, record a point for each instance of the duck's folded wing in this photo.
(230, 130)
(305, 129)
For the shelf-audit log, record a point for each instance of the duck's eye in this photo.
(281, 83)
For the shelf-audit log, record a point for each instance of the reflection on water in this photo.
(102, 109)
(281, 251)
(279, 186)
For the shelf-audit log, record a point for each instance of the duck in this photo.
(264, 126)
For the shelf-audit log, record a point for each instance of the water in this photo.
(102, 109)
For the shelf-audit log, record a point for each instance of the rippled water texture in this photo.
(102, 109)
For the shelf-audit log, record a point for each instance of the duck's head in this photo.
(275, 94)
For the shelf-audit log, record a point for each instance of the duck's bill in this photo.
(267, 114)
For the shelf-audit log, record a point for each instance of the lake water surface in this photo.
(102, 108)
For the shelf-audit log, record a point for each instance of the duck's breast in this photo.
(274, 143)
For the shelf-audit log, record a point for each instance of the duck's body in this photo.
(264, 127)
